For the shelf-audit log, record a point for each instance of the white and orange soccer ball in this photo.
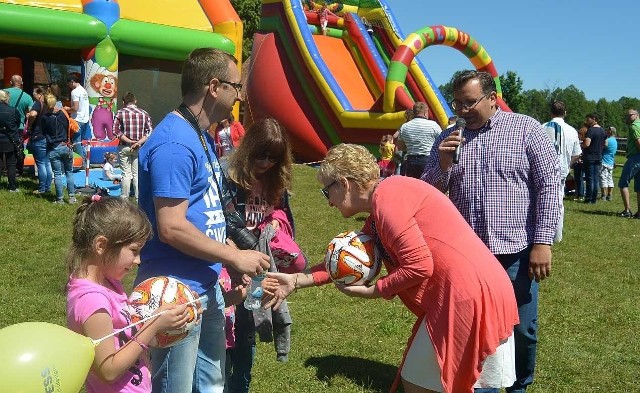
(152, 293)
(352, 259)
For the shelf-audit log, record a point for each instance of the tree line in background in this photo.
(536, 103)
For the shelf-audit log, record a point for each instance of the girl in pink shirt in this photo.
(436, 265)
(108, 234)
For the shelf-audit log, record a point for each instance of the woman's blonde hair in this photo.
(118, 220)
(350, 161)
(4, 96)
(50, 101)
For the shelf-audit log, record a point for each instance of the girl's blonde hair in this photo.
(350, 161)
(118, 220)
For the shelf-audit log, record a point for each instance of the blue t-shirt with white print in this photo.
(173, 164)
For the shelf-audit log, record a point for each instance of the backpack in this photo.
(74, 127)
(554, 131)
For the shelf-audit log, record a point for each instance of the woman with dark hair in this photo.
(38, 143)
(9, 138)
(260, 170)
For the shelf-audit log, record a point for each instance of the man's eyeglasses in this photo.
(631, 114)
(237, 86)
(265, 156)
(457, 105)
(325, 190)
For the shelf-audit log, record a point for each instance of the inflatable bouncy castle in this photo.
(351, 84)
(126, 45)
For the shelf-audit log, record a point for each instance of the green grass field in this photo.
(589, 311)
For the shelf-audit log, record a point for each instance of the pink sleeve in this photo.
(402, 237)
(88, 304)
(320, 275)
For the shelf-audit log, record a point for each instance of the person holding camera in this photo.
(180, 191)
(260, 171)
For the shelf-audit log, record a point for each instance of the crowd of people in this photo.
(465, 245)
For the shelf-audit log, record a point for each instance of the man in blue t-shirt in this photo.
(178, 171)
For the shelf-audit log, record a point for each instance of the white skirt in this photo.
(421, 366)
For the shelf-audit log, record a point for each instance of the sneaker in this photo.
(625, 214)
(604, 198)
(72, 200)
(14, 190)
(58, 202)
(608, 197)
(637, 215)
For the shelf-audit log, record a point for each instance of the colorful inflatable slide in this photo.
(351, 84)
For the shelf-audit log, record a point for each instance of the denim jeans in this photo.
(578, 174)
(526, 332)
(243, 353)
(592, 180)
(196, 364)
(45, 173)
(61, 158)
(415, 165)
(631, 170)
(83, 134)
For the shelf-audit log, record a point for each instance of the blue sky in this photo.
(592, 44)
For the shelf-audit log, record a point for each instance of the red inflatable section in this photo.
(270, 76)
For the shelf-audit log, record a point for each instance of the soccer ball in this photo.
(153, 292)
(352, 259)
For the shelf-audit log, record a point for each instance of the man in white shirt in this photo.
(567, 145)
(79, 110)
(416, 137)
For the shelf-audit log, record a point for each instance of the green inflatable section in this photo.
(163, 42)
(49, 28)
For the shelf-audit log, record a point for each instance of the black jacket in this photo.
(9, 123)
(55, 127)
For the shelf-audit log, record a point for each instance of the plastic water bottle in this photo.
(254, 296)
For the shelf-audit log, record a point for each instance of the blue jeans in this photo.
(83, 134)
(592, 180)
(196, 364)
(578, 174)
(525, 334)
(61, 158)
(243, 353)
(415, 165)
(631, 170)
(45, 173)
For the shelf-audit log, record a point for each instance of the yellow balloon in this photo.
(40, 357)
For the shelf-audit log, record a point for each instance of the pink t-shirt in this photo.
(229, 312)
(85, 298)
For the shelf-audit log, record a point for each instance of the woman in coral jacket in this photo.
(437, 266)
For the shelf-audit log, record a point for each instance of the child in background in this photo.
(323, 15)
(108, 172)
(108, 234)
(386, 164)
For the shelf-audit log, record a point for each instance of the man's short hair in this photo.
(202, 65)
(419, 108)
(486, 80)
(593, 116)
(73, 78)
(129, 98)
(558, 109)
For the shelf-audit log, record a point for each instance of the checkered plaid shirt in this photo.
(506, 184)
(132, 122)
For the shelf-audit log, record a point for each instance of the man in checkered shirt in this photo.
(506, 187)
(132, 126)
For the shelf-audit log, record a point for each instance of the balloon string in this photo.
(98, 341)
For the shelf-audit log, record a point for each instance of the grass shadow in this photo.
(369, 374)
(598, 212)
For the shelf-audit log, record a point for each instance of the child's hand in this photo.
(270, 286)
(176, 317)
(235, 295)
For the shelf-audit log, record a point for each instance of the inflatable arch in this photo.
(350, 85)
